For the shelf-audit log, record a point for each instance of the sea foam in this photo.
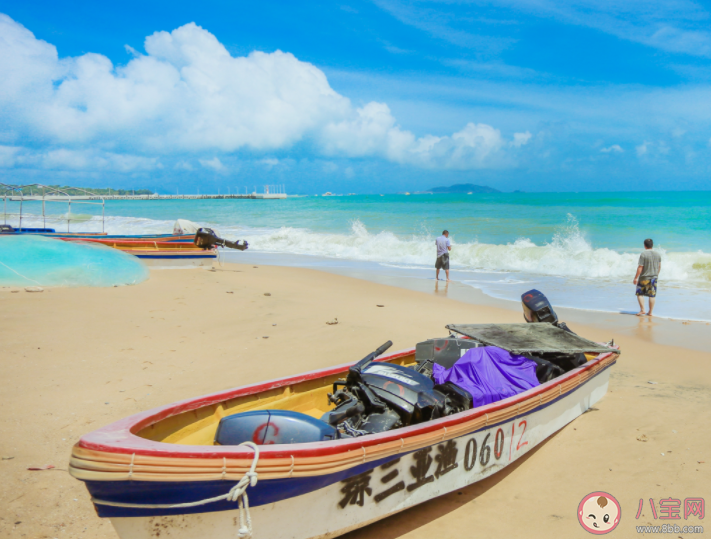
(568, 254)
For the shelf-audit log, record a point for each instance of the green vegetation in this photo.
(79, 191)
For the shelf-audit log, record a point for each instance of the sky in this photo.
(375, 96)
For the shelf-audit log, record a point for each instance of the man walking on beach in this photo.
(650, 263)
(443, 247)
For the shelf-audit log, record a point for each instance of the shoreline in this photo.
(79, 358)
(681, 332)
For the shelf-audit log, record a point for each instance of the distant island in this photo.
(464, 188)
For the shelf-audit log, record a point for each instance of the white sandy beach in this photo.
(76, 359)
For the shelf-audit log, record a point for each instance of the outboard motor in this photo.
(207, 239)
(377, 397)
(374, 397)
(536, 309)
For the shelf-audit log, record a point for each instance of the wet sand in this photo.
(76, 359)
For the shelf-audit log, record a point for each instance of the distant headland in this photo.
(464, 188)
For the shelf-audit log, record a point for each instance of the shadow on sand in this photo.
(424, 513)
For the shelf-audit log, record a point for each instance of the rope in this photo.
(237, 493)
(20, 274)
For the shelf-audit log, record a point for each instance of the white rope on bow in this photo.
(238, 493)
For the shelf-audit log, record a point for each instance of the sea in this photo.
(580, 249)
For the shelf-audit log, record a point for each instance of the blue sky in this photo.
(380, 96)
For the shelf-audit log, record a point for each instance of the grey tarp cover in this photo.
(528, 338)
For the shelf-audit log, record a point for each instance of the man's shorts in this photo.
(442, 262)
(647, 287)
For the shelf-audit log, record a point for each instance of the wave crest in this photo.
(569, 253)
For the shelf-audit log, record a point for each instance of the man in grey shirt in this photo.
(443, 247)
(650, 263)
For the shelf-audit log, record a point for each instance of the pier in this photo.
(61, 198)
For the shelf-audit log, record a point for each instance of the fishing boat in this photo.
(52, 233)
(158, 253)
(325, 452)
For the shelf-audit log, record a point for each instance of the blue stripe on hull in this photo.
(265, 492)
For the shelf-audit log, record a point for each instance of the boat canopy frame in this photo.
(536, 338)
(48, 194)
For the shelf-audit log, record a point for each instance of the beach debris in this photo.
(273, 324)
(34, 289)
(673, 431)
(40, 468)
(14, 291)
(255, 266)
(265, 336)
(7, 458)
(653, 383)
(267, 294)
(380, 305)
(230, 292)
(700, 461)
(662, 454)
(643, 438)
(332, 322)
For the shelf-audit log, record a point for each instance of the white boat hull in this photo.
(374, 495)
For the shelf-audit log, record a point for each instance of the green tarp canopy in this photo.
(529, 338)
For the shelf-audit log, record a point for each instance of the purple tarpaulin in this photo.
(490, 374)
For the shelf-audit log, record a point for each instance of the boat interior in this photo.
(198, 427)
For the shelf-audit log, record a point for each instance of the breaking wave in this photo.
(568, 254)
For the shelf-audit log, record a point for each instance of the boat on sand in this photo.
(325, 452)
(158, 253)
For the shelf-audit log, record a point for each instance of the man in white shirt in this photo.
(443, 247)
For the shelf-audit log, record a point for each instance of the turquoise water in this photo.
(582, 245)
(678, 221)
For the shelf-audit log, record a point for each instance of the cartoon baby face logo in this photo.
(599, 513)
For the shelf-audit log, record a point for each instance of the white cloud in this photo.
(8, 156)
(187, 93)
(269, 162)
(521, 139)
(75, 160)
(329, 167)
(213, 164)
(642, 148)
(183, 165)
(615, 148)
(373, 131)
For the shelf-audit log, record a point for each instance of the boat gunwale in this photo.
(120, 437)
